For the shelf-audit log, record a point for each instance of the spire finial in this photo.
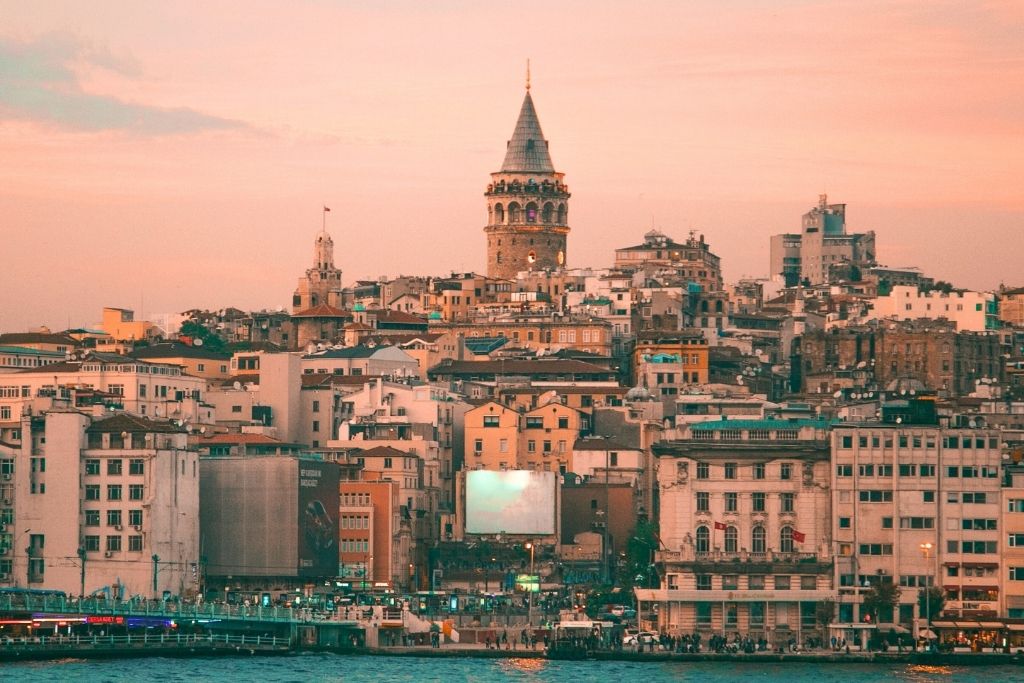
(527, 73)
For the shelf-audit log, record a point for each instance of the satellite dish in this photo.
(124, 435)
(913, 392)
(899, 420)
(739, 378)
(197, 342)
(838, 394)
(972, 423)
(237, 385)
(202, 430)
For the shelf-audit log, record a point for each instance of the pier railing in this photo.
(147, 640)
(171, 610)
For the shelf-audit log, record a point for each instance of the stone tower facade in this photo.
(527, 204)
(322, 283)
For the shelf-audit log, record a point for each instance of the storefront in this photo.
(970, 636)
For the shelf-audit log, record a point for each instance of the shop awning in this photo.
(944, 624)
(967, 624)
(992, 624)
(927, 633)
(1015, 627)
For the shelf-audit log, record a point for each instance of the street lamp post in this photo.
(605, 550)
(28, 557)
(81, 562)
(156, 570)
(529, 613)
(926, 549)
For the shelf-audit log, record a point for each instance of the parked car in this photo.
(635, 638)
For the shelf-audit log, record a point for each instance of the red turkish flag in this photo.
(799, 537)
(720, 526)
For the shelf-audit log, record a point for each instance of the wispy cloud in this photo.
(39, 82)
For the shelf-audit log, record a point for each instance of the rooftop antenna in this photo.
(527, 74)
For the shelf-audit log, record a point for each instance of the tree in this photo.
(824, 613)
(210, 340)
(881, 598)
(640, 555)
(930, 602)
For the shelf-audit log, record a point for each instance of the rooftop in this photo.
(124, 422)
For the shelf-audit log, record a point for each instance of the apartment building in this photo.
(105, 503)
(917, 504)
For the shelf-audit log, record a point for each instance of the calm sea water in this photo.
(325, 667)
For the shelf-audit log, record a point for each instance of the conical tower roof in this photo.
(527, 150)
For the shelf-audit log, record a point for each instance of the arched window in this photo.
(531, 212)
(547, 213)
(718, 307)
(757, 540)
(313, 300)
(497, 257)
(703, 539)
(499, 214)
(731, 539)
(786, 539)
(513, 212)
(704, 306)
(562, 214)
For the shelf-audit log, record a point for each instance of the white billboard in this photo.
(510, 502)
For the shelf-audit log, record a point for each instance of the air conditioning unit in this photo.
(138, 527)
(3, 551)
(118, 527)
(5, 577)
(108, 554)
(3, 527)
(7, 477)
(7, 501)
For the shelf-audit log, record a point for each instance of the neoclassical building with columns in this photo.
(745, 518)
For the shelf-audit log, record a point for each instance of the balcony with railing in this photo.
(743, 561)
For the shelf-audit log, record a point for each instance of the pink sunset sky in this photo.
(176, 155)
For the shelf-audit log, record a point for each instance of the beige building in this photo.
(40, 341)
(121, 325)
(193, 360)
(691, 261)
(603, 459)
(1011, 540)
(1011, 306)
(896, 486)
(492, 437)
(540, 332)
(130, 510)
(153, 389)
(745, 523)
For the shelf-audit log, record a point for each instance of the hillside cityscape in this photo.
(830, 457)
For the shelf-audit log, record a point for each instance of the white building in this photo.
(971, 311)
(745, 523)
(119, 494)
(389, 361)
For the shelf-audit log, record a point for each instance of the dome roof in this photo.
(434, 315)
(359, 308)
(638, 393)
